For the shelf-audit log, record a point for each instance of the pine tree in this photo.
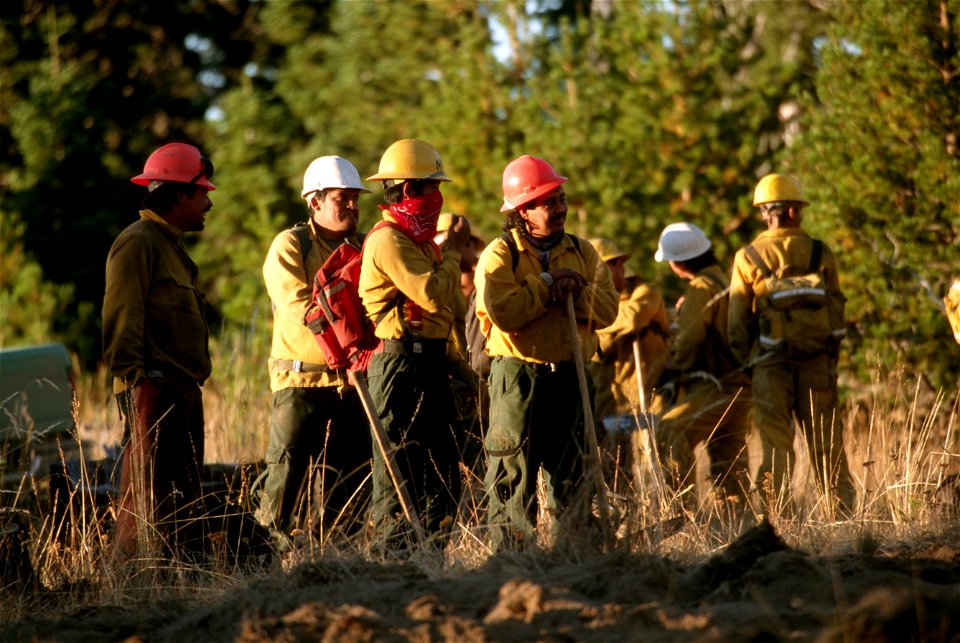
(880, 163)
(660, 113)
(29, 304)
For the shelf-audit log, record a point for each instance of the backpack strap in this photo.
(816, 255)
(514, 251)
(715, 279)
(302, 231)
(712, 332)
(758, 261)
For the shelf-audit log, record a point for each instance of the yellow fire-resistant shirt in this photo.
(514, 308)
(786, 249)
(154, 313)
(289, 281)
(641, 315)
(700, 341)
(395, 270)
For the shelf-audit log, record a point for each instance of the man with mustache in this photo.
(155, 346)
(536, 413)
(317, 423)
(407, 284)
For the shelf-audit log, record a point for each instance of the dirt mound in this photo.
(758, 588)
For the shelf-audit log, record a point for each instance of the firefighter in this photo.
(536, 416)
(155, 345)
(317, 422)
(641, 317)
(713, 393)
(407, 284)
(790, 386)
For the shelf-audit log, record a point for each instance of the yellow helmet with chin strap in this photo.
(777, 187)
(410, 158)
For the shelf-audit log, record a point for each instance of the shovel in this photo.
(592, 457)
(409, 512)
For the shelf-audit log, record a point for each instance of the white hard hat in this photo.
(681, 242)
(330, 172)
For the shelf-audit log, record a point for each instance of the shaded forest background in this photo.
(657, 111)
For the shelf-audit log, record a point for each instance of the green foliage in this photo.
(880, 161)
(89, 90)
(661, 113)
(28, 304)
(255, 198)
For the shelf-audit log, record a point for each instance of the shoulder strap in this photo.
(722, 346)
(724, 288)
(816, 255)
(576, 242)
(514, 251)
(715, 279)
(302, 230)
(758, 261)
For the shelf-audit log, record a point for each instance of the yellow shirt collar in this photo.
(150, 215)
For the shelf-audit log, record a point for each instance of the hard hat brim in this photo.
(757, 204)
(143, 179)
(534, 194)
(304, 193)
(389, 176)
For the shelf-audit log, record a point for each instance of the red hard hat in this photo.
(525, 179)
(179, 163)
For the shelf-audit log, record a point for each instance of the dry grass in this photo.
(902, 443)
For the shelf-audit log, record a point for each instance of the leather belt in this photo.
(296, 366)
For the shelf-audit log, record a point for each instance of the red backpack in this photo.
(336, 316)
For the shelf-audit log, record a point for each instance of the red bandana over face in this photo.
(418, 215)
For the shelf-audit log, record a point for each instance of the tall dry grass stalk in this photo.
(901, 443)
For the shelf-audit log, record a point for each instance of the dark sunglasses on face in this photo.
(206, 169)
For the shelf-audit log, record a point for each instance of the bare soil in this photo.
(758, 588)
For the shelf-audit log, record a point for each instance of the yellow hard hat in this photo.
(410, 158)
(607, 249)
(777, 187)
(445, 220)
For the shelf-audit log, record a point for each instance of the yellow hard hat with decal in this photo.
(777, 187)
(410, 158)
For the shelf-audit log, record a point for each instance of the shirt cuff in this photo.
(547, 278)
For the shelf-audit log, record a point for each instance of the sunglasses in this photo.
(206, 169)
